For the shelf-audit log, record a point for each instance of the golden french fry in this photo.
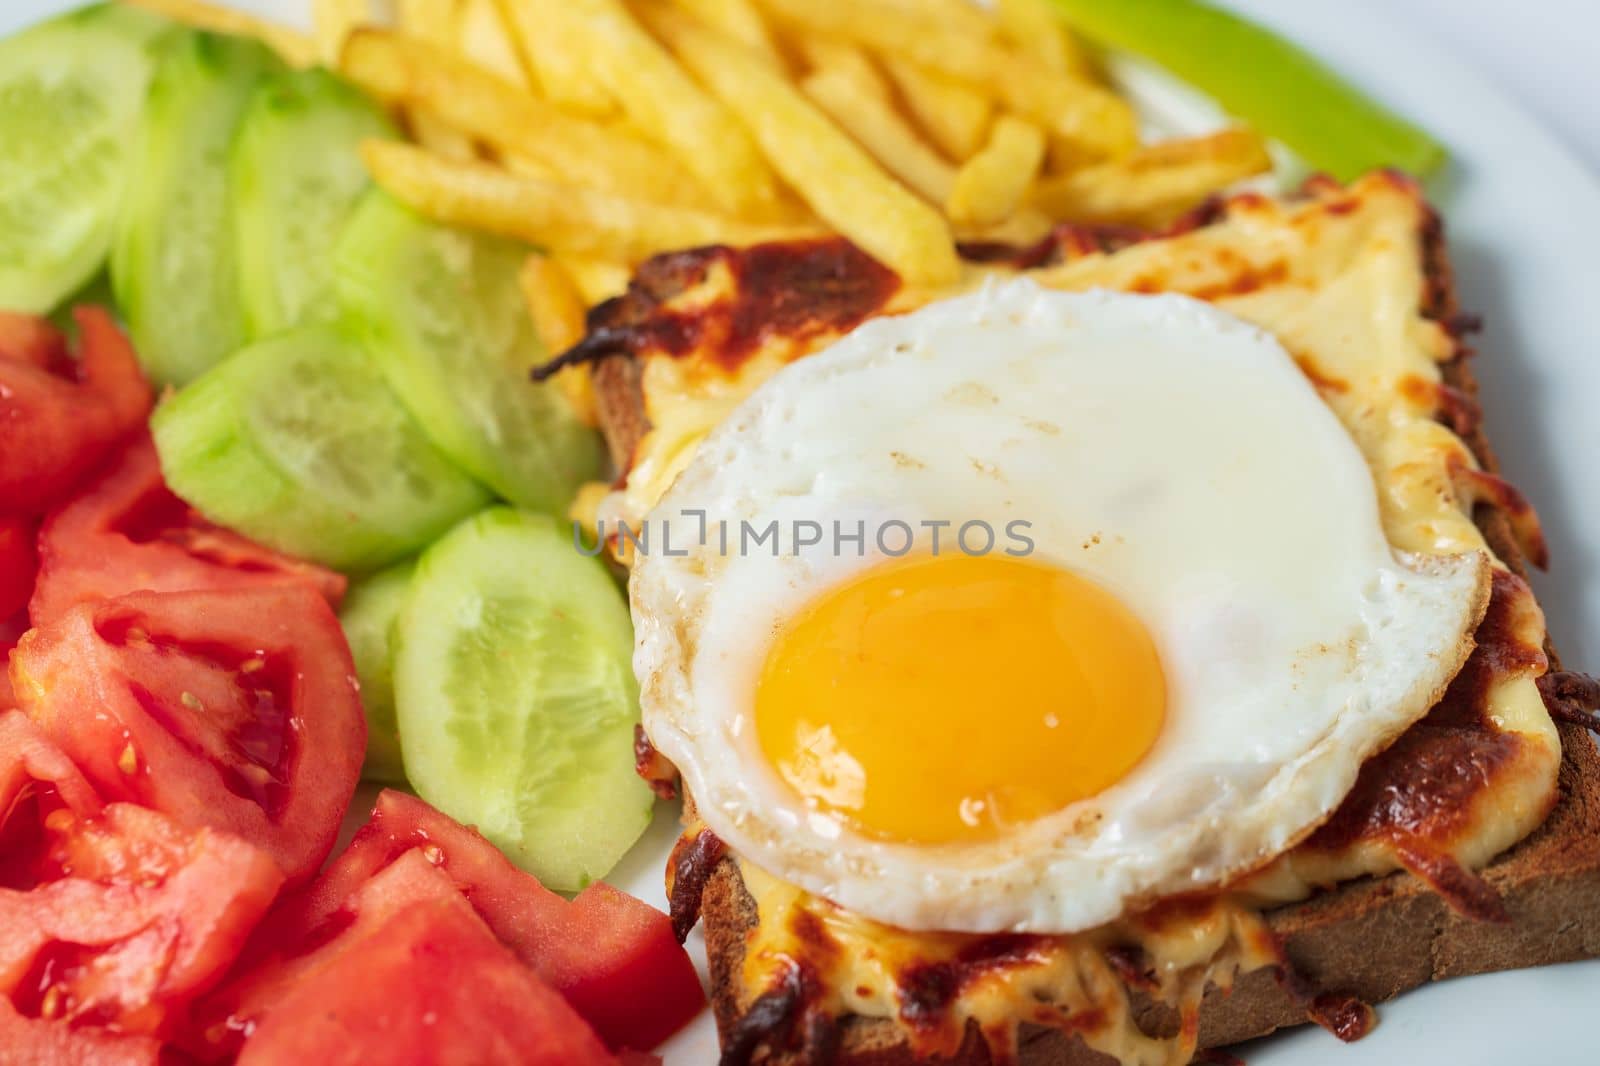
(824, 54)
(838, 179)
(660, 96)
(577, 385)
(739, 20)
(482, 36)
(585, 506)
(412, 74)
(551, 55)
(953, 115)
(992, 184)
(1061, 157)
(597, 279)
(524, 166)
(864, 113)
(332, 21)
(438, 136)
(554, 303)
(431, 20)
(549, 214)
(962, 16)
(1084, 114)
(1026, 226)
(558, 318)
(297, 49)
(1155, 185)
(1036, 30)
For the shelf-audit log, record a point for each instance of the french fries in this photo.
(1086, 115)
(606, 131)
(411, 74)
(1036, 30)
(739, 20)
(548, 51)
(823, 55)
(658, 95)
(960, 16)
(429, 20)
(296, 48)
(558, 318)
(438, 136)
(480, 35)
(1155, 185)
(332, 21)
(1027, 227)
(992, 184)
(835, 177)
(862, 109)
(955, 116)
(597, 279)
(549, 214)
(554, 301)
(527, 167)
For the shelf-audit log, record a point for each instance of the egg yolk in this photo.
(944, 699)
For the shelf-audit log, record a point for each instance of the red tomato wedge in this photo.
(37, 781)
(234, 709)
(137, 916)
(59, 417)
(28, 340)
(408, 974)
(11, 631)
(36, 1042)
(612, 956)
(108, 915)
(18, 565)
(126, 531)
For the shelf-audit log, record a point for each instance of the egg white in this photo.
(1169, 451)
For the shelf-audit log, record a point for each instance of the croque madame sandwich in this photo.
(1222, 705)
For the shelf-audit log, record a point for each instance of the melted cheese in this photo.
(1064, 982)
(1338, 279)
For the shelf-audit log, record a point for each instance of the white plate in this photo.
(1524, 222)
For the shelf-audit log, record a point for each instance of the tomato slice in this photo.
(126, 531)
(29, 340)
(59, 418)
(234, 709)
(11, 631)
(37, 1042)
(36, 781)
(407, 973)
(612, 956)
(18, 565)
(109, 916)
(138, 917)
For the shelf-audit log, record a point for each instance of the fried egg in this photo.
(1029, 609)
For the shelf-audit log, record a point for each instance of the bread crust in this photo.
(1549, 882)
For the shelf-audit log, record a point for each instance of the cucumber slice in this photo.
(296, 175)
(445, 317)
(172, 260)
(298, 442)
(515, 695)
(368, 615)
(71, 91)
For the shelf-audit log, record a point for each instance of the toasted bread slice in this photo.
(1549, 883)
